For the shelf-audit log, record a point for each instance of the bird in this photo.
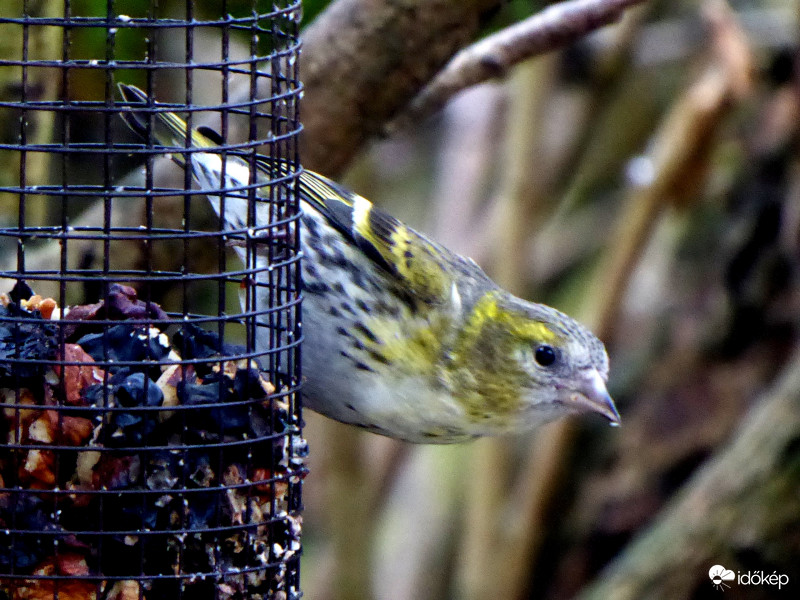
(401, 336)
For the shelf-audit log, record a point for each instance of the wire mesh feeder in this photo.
(149, 377)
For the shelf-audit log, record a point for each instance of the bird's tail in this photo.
(217, 176)
(167, 128)
(216, 171)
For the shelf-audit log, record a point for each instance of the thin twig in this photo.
(493, 56)
(678, 159)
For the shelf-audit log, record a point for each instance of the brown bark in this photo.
(363, 61)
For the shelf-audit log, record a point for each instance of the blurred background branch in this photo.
(745, 497)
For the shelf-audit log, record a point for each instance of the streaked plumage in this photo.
(402, 336)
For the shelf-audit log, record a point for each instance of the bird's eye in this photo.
(545, 355)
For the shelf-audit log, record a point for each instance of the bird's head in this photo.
(519, 364)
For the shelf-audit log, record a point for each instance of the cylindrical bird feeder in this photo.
(150, 434)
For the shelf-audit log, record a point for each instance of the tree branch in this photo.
(363, 61)
(493, 56)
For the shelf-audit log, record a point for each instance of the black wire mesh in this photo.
(149, 369)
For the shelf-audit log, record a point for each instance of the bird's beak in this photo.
(591, 395)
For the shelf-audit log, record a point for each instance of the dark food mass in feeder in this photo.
(136, 464)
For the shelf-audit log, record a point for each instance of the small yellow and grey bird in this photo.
(402, 336)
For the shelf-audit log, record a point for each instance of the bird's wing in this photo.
(421, 267)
